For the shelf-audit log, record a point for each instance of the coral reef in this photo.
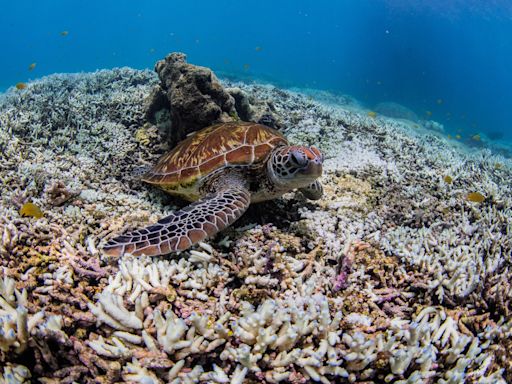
(260, 111)
(393, 276)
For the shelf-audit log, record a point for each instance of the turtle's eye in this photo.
(298, 159)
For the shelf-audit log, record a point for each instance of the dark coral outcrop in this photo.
(189, 98)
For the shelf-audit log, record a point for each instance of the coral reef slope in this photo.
(395, 275)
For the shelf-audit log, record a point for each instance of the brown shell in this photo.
(210, 149)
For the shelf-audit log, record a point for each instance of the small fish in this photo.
(32, 66)
(31, 210)
(498, 166)
(246, 67)
(439, 101)
(64, 33)
(476, 137)
(458, 137)
(258, 49)
(21, 85)
(372, 114)
(475, 197)
(151, 50)
(448, 179)
(449, 136)
(428, 113)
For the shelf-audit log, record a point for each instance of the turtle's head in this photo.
(295, 166)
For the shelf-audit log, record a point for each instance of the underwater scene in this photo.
(256, 192)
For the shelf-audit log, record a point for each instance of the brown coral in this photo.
(58, 193)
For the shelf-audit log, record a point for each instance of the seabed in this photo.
(395, 275)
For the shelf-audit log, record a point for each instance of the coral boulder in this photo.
(189, 96)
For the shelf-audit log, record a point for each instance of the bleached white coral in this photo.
(178, 339)
(112, 311)
(14, 374)
(137, 275)
(433, 330)
(281, 326)
(134, 373)
(113, 347)
(15, 322)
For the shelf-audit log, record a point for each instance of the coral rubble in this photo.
(393, 276)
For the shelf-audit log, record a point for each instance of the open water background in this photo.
(450, 61)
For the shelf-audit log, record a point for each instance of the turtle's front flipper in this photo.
(313, 191)
(184, 227)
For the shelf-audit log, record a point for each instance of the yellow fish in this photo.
(428, 113)
(372, 114)
(476, 137)
(31, 210)
(448, 179)
(246, 67)
(258, 49)
(64, 33)
(21, 86)
(31, 66)
(475, 197)
(458, 137)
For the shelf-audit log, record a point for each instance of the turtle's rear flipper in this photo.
(185, 227)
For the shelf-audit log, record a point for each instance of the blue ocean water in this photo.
(447, 60)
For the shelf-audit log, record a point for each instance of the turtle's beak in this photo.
(313, 169)
(314, 166)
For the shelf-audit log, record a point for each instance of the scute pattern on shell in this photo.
(217, 146)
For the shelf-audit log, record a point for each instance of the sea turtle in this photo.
(221, 169)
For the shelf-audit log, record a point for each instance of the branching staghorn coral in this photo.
(17, 326)
(297, 335)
